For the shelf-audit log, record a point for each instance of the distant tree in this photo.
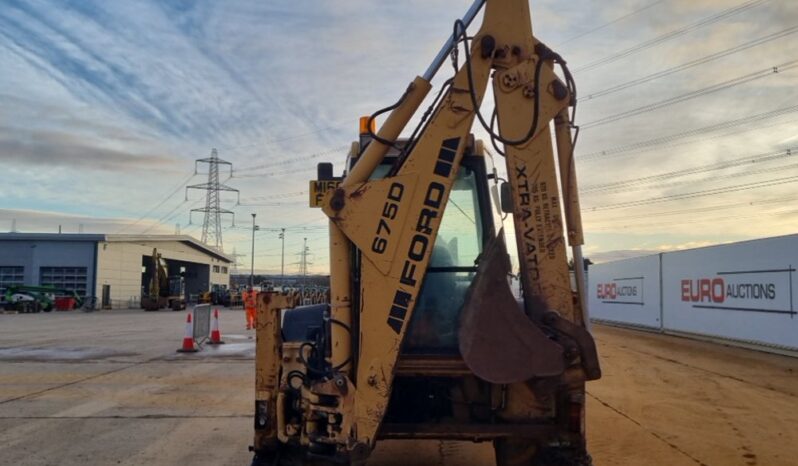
(587, 263)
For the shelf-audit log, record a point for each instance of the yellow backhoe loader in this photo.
(423, 338)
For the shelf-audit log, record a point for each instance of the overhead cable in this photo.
(610, 23)
(671, 138)
(724, 164)
(745, 6)
(689, 195)
(770, 71)
(591, 96)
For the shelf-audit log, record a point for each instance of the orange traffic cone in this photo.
(216, 335)
(188, 338)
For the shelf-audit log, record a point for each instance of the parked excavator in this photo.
(423, 338)
(163, 290)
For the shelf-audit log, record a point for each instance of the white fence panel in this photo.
(626, 291)
(742, 291)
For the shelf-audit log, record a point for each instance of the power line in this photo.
(610, 23)
(292, 160)
(708, 192)
(661, 186)
(190, 225)
(303, 226)
(278, 173)
(684, 66)
(156, 206)
(320, 227)
(169, 216)
(671, 35)
(263, 230)
(165, 217)
(692, 210)
(747, 160)
(665, 140)
(312, 236)
(770, 71)
(276, 196)
(270, 204)
(174, 213)
(694, 220)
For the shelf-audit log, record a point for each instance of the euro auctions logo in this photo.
(716, 290)
(767, 291)
(621, 291)
(613, 291)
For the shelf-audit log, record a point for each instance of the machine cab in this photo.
(466, 226)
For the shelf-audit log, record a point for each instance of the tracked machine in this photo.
(423, 338)
(164, 291)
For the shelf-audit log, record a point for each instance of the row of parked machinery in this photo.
(25, 298)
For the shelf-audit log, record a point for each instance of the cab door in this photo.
(466, 225)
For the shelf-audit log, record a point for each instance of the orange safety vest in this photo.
(250, 298)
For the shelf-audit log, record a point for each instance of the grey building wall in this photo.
(112, 260)
(32, 255)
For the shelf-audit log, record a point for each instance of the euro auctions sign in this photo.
(627, 290)
(768, 291)
(744, 291)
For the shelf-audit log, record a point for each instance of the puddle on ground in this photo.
(228, 349)
(227, 336)
(59, 353)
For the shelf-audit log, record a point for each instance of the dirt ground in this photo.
(670, 401)
(108, 388)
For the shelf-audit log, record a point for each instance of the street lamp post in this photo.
(282, 258)
(304, 261)
(252, 269)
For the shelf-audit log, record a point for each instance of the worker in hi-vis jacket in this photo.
(250, 296)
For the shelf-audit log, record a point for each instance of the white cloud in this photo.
(104, 106)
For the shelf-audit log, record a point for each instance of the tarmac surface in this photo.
(108, 388)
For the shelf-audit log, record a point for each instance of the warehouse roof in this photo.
(97, 237)
(51, 237)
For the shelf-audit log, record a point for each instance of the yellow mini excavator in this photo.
(423, 337)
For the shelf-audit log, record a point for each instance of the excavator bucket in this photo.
(498, 341)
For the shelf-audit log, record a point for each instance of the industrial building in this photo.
(112, 268)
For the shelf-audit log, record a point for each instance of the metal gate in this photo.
(202, 322)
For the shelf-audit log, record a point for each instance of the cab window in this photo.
(434, 325)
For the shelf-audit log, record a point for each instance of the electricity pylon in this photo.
(212, 224)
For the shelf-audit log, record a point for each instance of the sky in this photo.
(688, 109)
